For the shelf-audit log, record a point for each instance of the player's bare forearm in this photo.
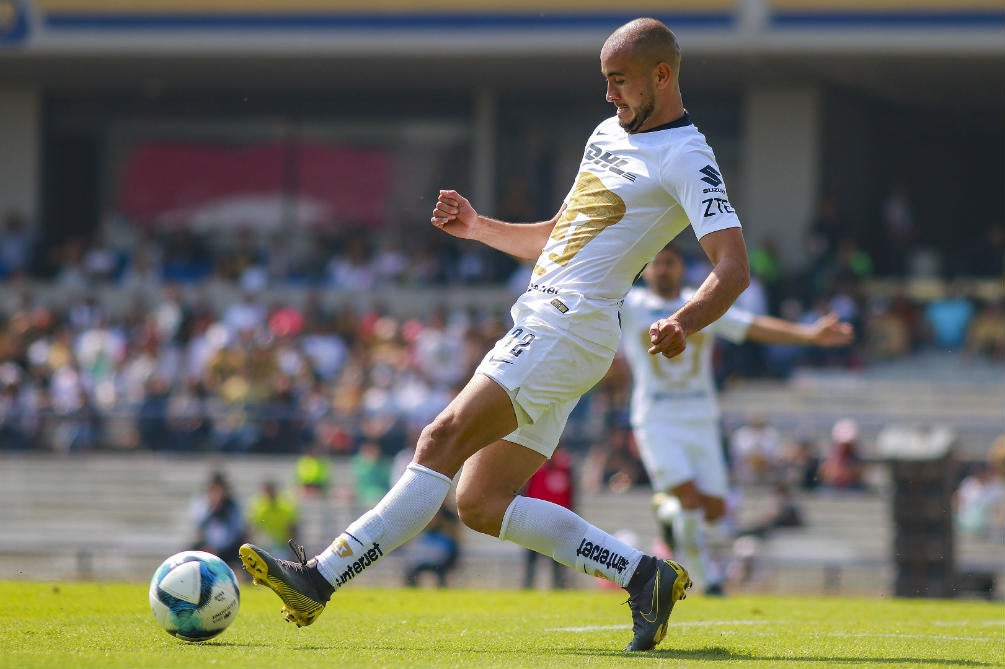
(454, 215)
(729, 277)
(715, 295)
(522, 240)
(827, 331)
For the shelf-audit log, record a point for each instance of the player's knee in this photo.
(438, 436)
(714, 509)
(689, 500)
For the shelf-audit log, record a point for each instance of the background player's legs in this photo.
(691, 511)
(487, 501)
(481, 413)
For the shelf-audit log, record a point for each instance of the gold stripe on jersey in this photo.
(592, 208)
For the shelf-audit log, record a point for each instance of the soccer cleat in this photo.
(301, 586)
(652, 600)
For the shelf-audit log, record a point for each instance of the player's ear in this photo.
(664, 74)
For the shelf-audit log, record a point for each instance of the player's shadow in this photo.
(716, 654)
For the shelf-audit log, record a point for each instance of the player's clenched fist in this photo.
(667, 338)
(454, 214)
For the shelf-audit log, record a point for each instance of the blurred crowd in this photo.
(171, 369)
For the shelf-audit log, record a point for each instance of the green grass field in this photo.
(85, 625)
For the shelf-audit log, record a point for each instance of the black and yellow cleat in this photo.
(300, 585)
(654, 589)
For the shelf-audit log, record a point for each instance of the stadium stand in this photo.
(116, 516)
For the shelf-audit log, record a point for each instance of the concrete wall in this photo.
(20, 148)
(780, 166)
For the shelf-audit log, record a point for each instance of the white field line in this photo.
(730, 623)
(706, 623)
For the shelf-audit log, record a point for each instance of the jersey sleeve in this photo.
(734, 324)
(692, 176)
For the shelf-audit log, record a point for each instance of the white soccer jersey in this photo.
(633, 194)
(682, 385)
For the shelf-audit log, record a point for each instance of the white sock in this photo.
(556, 531)
(689, 535)
(403, 512)
(716, 534)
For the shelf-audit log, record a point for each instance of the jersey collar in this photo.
(682, 122)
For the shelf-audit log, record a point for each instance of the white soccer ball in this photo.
(194, 595)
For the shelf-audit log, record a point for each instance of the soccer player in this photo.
(646, 175)
(674, 412)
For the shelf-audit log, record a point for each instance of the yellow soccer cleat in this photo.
(300, 585)
(661, 584)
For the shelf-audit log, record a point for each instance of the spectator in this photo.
(371, 474)
(152, 415)
(390, 263)
(766, 265)
(313, 472)
(824, 233)
(754, 451)
(899, 229)
(17, 244)
(189, 423)
(986, 335)
(219, 521)
(979, 501)
(353, 269)
(842, 467)
(18, 416)
(887, 335)
(436, 549)
(851, 264)
(438, 352)
(553, 482)
(273, 516)
(801, 465)
(948, 317)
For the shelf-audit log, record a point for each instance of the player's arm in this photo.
(729, 277)
(454, 215)
(827, 331)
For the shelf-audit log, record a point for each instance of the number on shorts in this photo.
(523, 340)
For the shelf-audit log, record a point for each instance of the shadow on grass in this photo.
(713, 654)
(716, 654)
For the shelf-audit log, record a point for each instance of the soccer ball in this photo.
(194, 595)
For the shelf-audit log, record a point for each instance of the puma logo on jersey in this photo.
(606, 159)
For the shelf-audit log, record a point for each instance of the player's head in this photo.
(665, 273)
(641, 62)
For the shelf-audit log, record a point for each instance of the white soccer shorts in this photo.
(545, 371)
(674, 451)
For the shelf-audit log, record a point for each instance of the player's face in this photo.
(630, 87)
(664, 274)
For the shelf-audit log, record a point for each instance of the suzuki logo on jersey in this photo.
(712, 176)
(608, 160)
